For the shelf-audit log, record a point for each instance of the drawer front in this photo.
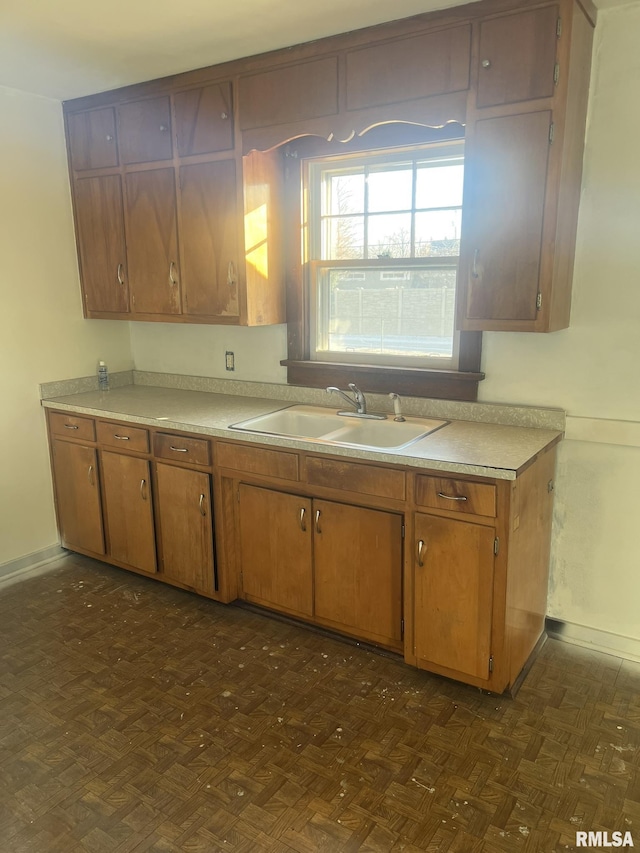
(456, 495)
(123, 437)
(257, 460)
(354, 477)
(72, 426)
(179, 448)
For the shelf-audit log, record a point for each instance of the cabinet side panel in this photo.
(528, 570)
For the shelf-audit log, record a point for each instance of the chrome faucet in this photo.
(357, 401)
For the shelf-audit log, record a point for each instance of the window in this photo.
(383, 247)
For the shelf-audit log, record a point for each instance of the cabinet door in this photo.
(185, 526)
(75, 471)
(101, 244)
(358, 570)
(129, 510)
(275, 549)
(209, 239)
(152, 242)
(517, 56)
(92, 139)
(503, 212)
(453, 594)
(204, 120)
(145, 131)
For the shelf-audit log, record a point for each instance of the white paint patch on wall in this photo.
(43, 336)
(199, 350)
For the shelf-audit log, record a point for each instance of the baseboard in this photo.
(30, 564)
(593, 638)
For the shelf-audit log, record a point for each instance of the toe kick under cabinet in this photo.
(449, 570)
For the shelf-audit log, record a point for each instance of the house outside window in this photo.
(384, 243)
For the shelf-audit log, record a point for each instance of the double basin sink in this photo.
(318, 424)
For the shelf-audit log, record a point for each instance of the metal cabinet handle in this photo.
(231, 274)
(178, 449)
(121, 437)
(224, 115)
(172, 279)
(203, 512)
(318, 530)
(453, 497)
(70, 426)
(303, 522)
(486, 63)
(143, 494)
(474, 270)
(90, 475)
(119, 274)
(419, 551)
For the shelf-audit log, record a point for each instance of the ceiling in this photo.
(68, 48)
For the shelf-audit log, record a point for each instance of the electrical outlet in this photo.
(229, 360)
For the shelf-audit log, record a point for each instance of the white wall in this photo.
(43, 336)
(590, 370)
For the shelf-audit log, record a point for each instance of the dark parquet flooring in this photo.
(137, 718)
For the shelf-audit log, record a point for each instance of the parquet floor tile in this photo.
(137, 718)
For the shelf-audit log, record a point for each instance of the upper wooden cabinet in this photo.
(204, 229)
(517, 56)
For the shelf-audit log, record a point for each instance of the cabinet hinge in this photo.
(238, 493)
(403, 531)
(496, 546)
(402, 629)
(490, 663)
(552, 133)
(538, 302)
(559, 27)
(556, 73)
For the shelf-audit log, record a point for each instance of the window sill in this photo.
(409, 381)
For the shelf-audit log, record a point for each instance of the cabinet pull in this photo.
(303, 523)
(70, 426)
(452, 497)
(172, 280)
(119, 274)
(419, 551)
(121, 437)
(178, 449)
(318, 530)
(203, 512)
(90, 475)
(231, 274)
(143, 494)
(486, 63)
(474, 271)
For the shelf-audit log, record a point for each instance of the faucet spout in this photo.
(357, 401)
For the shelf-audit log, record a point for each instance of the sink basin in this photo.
(314, 423)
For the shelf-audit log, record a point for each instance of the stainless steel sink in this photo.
(314, 423)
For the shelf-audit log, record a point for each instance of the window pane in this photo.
(389, 235)
(411, 316)
(390, 189)
(439, 186)
(345, 194)
(343, 238)
(438, 233)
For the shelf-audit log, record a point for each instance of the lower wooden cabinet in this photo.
(185, 534)
(77, 490)
(333, 563)
(453, 595)
(128, 510)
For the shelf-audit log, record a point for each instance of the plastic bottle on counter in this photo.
(103, 376)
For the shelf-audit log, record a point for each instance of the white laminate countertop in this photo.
(460, 447)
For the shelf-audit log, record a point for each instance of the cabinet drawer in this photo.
(354, 477)
(72, 426)
(456, 495)
(182, 449)
(123, 437)
(257, 460)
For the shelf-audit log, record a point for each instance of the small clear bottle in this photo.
(103, 377)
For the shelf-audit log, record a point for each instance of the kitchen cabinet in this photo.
(101, 244)
(92, 139)
(204, 119)
(145, 131)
